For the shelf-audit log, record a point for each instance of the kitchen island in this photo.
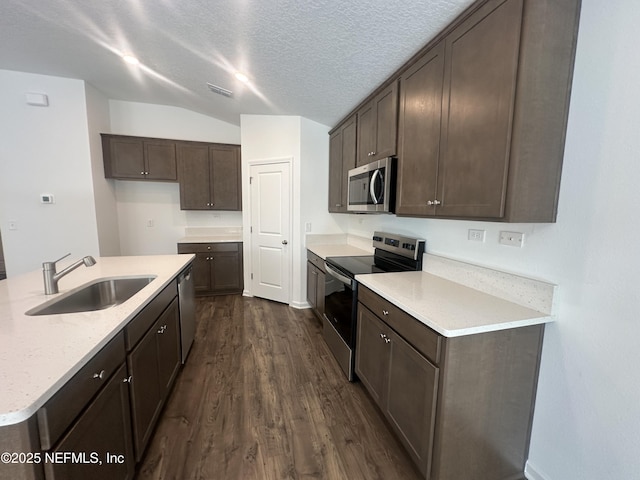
(42, 354)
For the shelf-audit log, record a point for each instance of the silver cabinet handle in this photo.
(163, 328)
(432, 203)
(99, 376)
(383, 336)
(128, 379)
(385, 312)
(387, 340)
(284, 242)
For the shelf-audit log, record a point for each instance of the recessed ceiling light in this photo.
(130, 59)
(242, 77)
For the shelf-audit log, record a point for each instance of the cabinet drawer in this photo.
(316, 260)
(58, 413)
(421, 337)
(208, 247)
(137, 327)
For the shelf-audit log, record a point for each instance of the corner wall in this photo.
(45, 150)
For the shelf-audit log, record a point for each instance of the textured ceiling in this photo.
(317, 58)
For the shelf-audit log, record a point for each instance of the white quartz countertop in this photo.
(39, 354)
(211, 238)
(338, 250)
(447, 307)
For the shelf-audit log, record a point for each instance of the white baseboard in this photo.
(532, 474)
(300, 305)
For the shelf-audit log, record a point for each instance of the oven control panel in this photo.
(407, 246)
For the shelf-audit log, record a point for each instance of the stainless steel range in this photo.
(393, 253)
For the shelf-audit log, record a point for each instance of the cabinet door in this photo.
(342, 158)
(366, 134)
(225, 177)
(126, 158)
(227, 272)
(168, 342)
(372, 354)
(202, 273)
(386, 118)
(312, 284)
(146, 401)
(194, 175)
(480, 80)
(160, 160)
(419, 143)
(411, 399)
(103, 428)
(320, 291)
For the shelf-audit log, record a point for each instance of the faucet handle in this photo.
(62, 258)
(52, 264)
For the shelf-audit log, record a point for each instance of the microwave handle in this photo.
(372, 187)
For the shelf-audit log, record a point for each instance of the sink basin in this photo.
(94, 296)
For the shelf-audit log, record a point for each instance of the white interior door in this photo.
(270, 191)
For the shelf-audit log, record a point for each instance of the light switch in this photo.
(47, 198)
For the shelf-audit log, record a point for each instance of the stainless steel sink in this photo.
(94, 296)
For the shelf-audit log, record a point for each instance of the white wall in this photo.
(307, 144)
(45, 150)
(141, 202)
(98, 122)
(587, 418)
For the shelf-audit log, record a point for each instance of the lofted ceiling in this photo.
(313, 58)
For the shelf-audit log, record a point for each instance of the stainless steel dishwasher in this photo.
(186, 297)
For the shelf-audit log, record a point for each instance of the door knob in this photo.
(284, 242)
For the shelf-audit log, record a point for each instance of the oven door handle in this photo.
(343, 278)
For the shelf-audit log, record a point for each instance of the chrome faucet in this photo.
(51, 277)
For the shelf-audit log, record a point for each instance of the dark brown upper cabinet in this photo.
(419, 141)
(138, 158)
(378, 126)
(342, 158)
(483, 111)
(209, 176)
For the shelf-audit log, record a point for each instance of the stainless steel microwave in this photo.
(372, 187)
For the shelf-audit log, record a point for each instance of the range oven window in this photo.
(338, 307)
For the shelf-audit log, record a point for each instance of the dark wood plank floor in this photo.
(261, 398)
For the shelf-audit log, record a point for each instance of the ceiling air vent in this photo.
(219, 90)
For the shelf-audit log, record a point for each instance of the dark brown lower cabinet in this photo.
(461, 406)
(217, 268)
(315, 283)
(100, 439)
(401, 381)
(153, 365)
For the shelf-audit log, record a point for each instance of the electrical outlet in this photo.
(150, 223)
(512, 239)
(476, 235)
(307, 227)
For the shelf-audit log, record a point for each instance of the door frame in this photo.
(247, 235)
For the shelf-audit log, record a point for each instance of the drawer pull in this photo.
(385, 312)
(383, 336)
(387, 340)
(128, 379)
(163, 328)
(99, 376)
